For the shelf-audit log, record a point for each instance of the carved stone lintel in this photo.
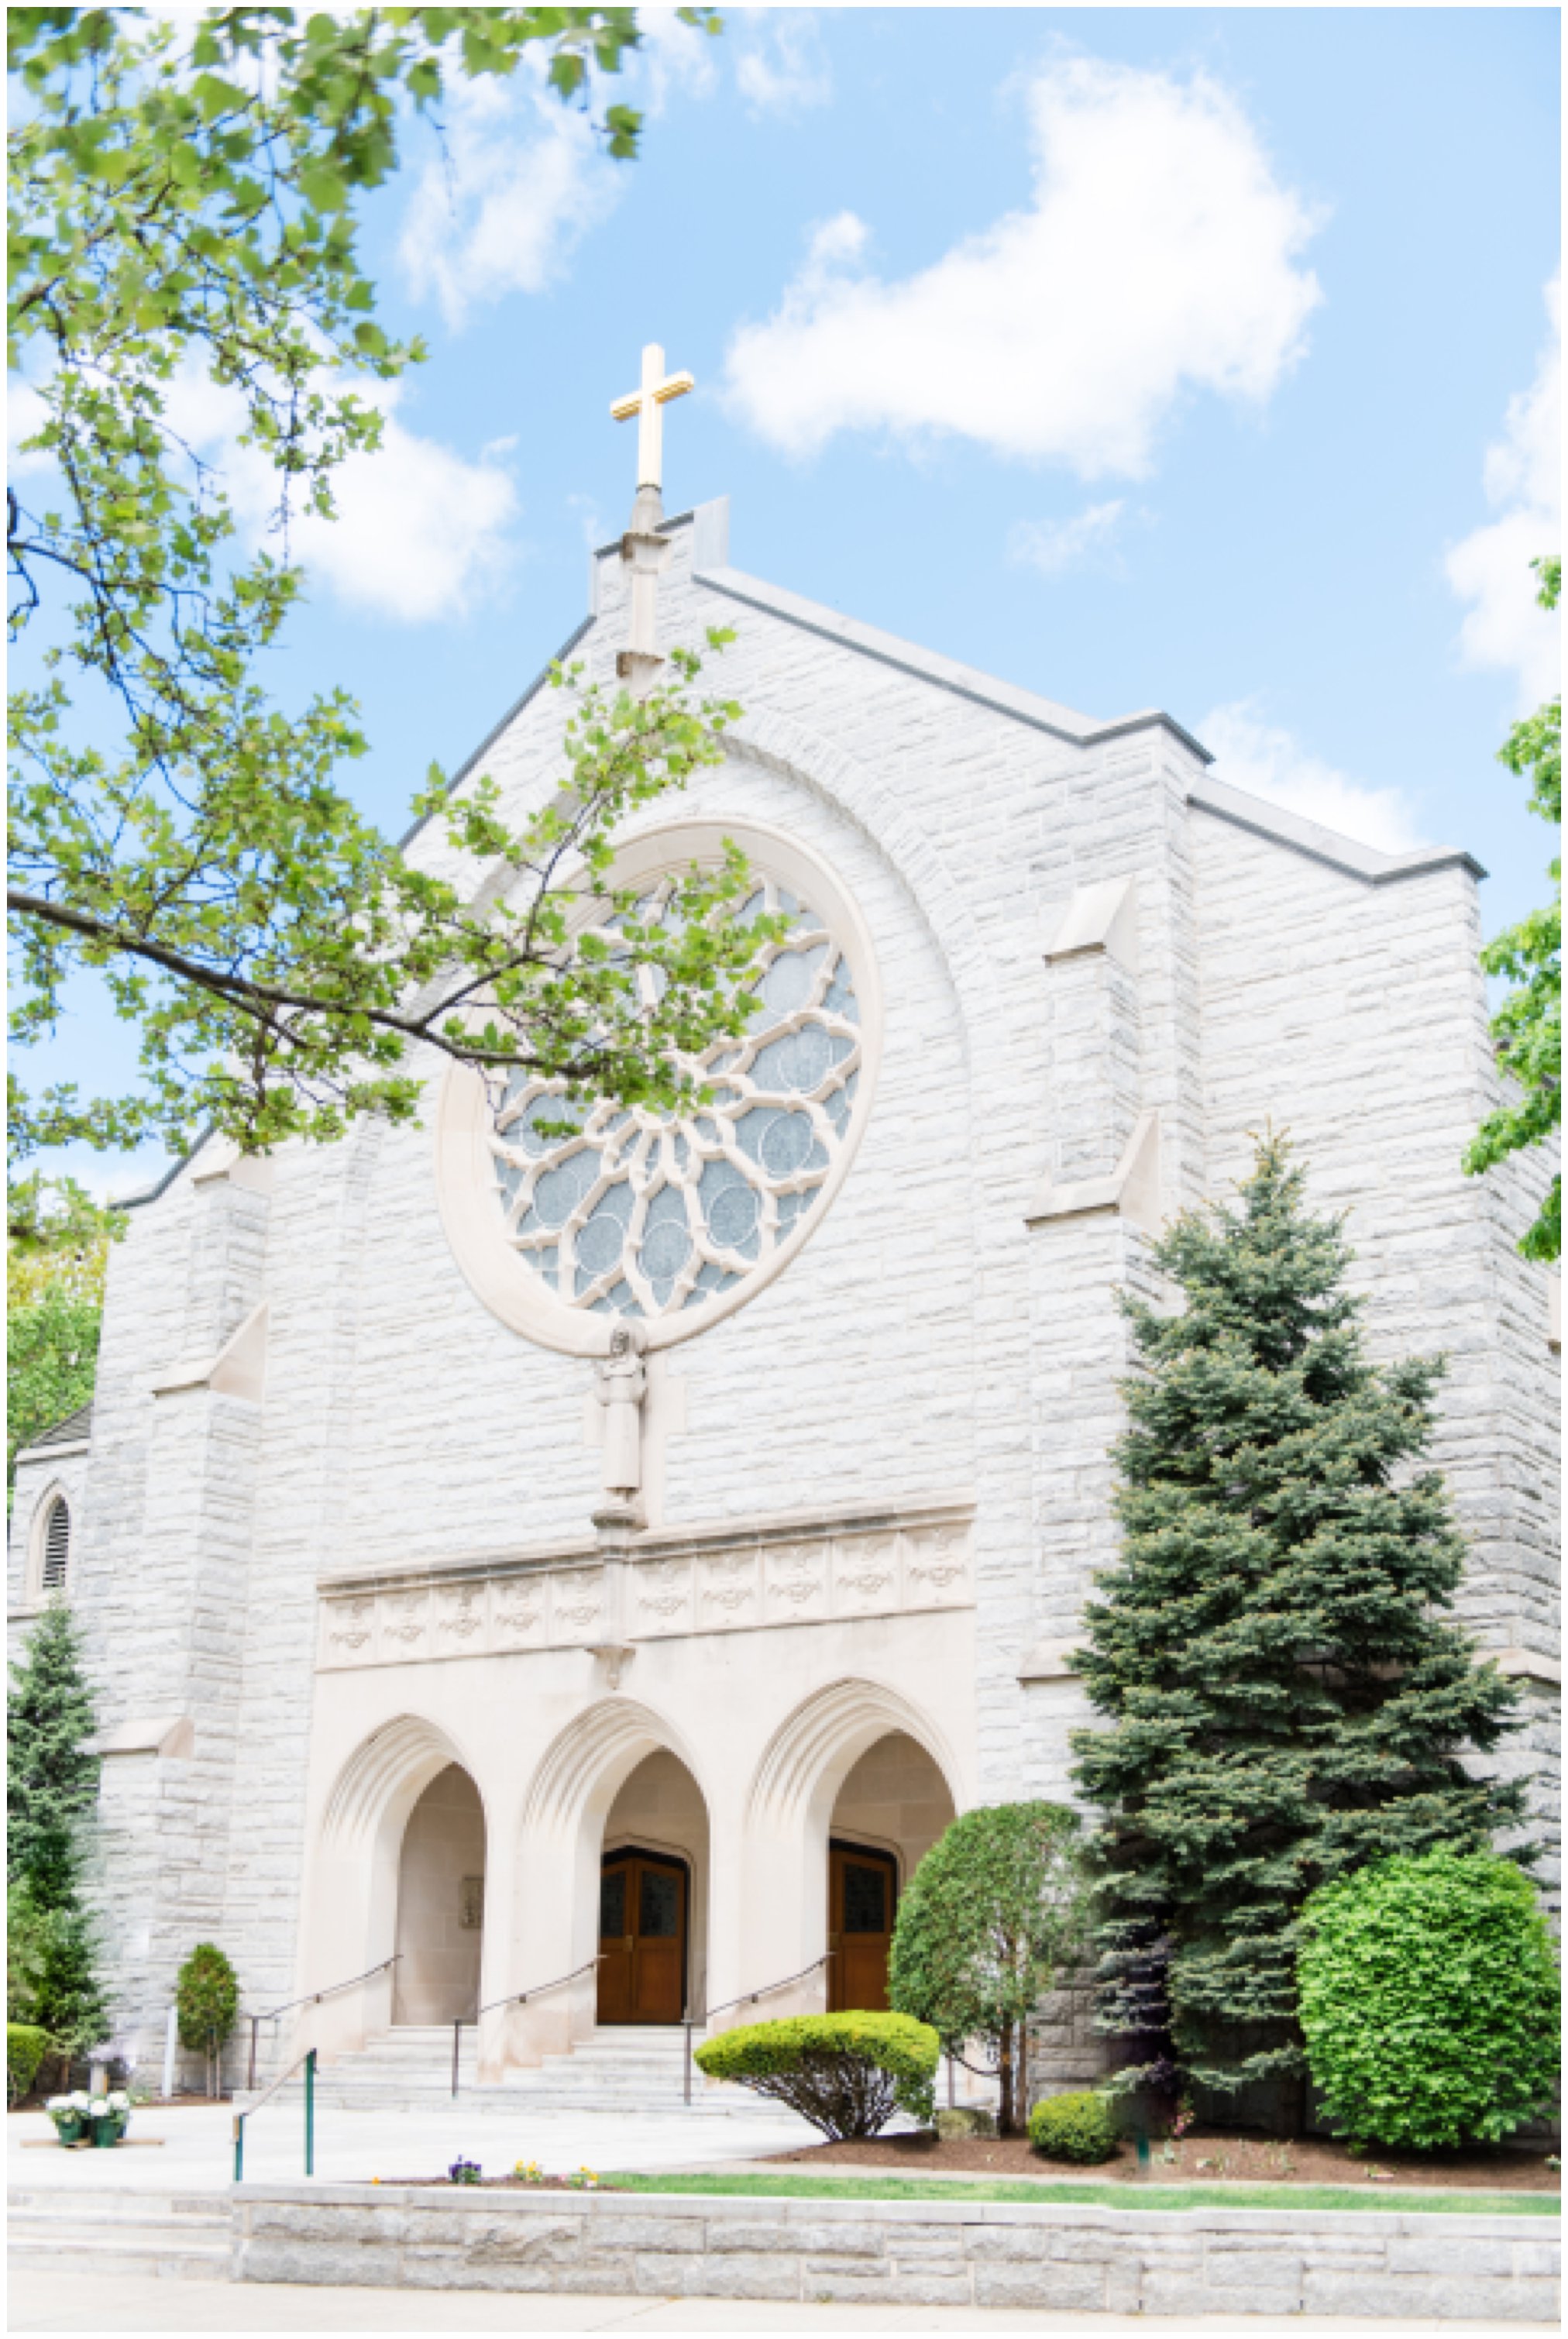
(615, 1656)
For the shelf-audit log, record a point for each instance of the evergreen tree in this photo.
(51, 1784)
(50, 1790)
(1287, 1698)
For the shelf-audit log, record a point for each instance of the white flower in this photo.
(57, 2103)
(119, 2101)
(80, 2100)
(98, 2107)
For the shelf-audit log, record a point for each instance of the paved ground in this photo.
(195, 2150)
(66, 2302)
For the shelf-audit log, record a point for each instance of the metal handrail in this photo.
(514, 1998)
(311, 1997)
(309, 2060)
(747, 1998)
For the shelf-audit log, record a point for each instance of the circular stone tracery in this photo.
(626, 1212)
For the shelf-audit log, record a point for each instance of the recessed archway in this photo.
(890, 1810)
(653, 1896)
(440, 1903)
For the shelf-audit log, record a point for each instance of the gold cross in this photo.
(657, 388)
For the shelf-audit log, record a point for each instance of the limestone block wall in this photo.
(929, 1340)
(1355, 1015)
(37, 1485)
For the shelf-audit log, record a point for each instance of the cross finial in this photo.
(648, 404)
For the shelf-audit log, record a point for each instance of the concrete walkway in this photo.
(189, 2148)
(69, 2302)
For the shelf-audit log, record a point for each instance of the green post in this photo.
(311, 2113)
(239, 2147)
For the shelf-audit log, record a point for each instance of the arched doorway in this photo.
(440, 1903)
(653, 1895)
(891, 1808)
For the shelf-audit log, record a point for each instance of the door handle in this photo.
(626, 1941)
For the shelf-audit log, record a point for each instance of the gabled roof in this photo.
(75, 1430)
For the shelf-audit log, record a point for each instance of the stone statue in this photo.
(621, 1383)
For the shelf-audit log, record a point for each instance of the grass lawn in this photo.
(1074, 2190)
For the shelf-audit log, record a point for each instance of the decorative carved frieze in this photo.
(723, 1580)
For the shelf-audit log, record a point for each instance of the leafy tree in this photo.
(52, 1786)
(1287, 1698)
(1430, 2000)
(184, 209)
(1528, 1026)
(207, 2000)
(57, 1255)
(986, 1923)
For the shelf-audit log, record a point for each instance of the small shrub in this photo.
(845, 2073)
(207, 1997)
(1429, 2000)
(25, 2047)
(1078, 2127)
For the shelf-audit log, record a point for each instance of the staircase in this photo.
(626, 2070)
(120, 2232)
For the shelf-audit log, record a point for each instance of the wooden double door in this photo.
(862, 1903)
(643, 1915)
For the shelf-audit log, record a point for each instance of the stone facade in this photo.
(1086, 2261)
(332, 1528)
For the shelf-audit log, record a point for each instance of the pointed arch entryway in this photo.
(853, 1789)
(614, 1873)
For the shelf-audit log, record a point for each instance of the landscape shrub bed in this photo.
(1078, 2127)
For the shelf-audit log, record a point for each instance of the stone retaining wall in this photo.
(929, 2253)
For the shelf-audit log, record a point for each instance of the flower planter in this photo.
(108, 2129)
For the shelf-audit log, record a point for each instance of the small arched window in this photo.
(57, 1563)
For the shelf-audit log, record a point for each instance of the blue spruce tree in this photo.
(1286, 1694)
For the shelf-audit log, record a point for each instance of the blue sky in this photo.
(1198, 359)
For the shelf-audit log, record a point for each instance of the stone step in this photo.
(134, 2251)
(177, 2236)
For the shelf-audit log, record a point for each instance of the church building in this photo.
(572, 1580)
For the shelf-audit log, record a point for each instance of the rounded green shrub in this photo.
(25, 2047)
(1077, 2126)
(845, 2073)
(1429, 2000)
(207, 2000)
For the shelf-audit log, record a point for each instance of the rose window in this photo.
(628, 1213)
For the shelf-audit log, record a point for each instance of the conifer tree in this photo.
(51, 1789)
(1287, 1697)
(50, 1782)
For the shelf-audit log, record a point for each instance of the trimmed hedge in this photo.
(1078, 2127)
(1429, 2000)
(25, 2047)
(845, 2073)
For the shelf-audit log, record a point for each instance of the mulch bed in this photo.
(1203, 2156)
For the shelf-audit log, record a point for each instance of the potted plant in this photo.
(111, 2117)
(70, 2116)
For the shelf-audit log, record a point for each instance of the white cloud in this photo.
(1269, 762)
(783, 69)
(521, 180)
(1053, 545)
(418, 528)
(672, 56)
(1160, 254)
(1490, 568)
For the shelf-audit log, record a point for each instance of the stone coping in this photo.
(814, 2209)
(1076, 2257)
